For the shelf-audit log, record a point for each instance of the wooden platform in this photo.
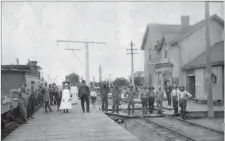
(73, 126)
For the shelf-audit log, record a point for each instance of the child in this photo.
(93, 96)
(183, 96)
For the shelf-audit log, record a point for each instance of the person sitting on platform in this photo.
(174, 94)
(183, 96)
(66, 102)
(151, 99)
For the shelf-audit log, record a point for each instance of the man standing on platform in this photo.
(175, 94)
(104, 91)
(168, 90)
(131, 94)
(116, 97)
(159, 99)
(31, 101)
(84, 95)
(21, 93)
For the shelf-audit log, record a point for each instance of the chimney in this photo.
(33, 63)
(185, 20)
(17, 61)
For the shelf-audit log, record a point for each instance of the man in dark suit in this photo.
(84, 95)
(168, 90)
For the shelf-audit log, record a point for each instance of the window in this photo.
(165, 54)
(165, 51)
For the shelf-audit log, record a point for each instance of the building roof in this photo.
(217, 57)
(175, 33)
(17, 67)
(13, 70)
(163, 29)
(72, 74)
(194, 27)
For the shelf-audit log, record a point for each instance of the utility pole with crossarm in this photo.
(132, 61)
(86, 54)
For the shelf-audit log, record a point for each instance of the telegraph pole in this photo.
(86, 54)
(208, 67)
(100, 74)
(132, 60)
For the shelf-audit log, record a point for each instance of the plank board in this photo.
(73, 126)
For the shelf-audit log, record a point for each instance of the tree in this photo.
(138, 81)
(121, 82)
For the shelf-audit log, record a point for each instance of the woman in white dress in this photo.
(74, 94)
(66, 102)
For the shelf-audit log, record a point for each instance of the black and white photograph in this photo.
(112, 70)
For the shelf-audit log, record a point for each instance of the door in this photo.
(192, 86)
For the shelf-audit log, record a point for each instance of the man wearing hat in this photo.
(130, 94)
(46, 98)
(116, 97)
(159, 99)
(151, 94)
(84, 95)
(104, 91)
(31, 101)
(168, 90)
(174, 94)
(144, 100)
(22, 95)
(183, 96)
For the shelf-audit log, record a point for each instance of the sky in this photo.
(30, 30)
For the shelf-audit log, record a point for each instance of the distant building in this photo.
(73, 78)
(13, 75)
(177, 53)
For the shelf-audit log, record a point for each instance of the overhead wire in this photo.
(75, 55)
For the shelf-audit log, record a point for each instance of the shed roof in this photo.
(217, 57)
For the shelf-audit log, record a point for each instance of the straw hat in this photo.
(182, 88)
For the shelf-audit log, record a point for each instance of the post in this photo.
(100, 74)
(208, 67)
(87, 65)
(132, 63)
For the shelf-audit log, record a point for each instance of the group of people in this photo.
(48, 95)
(148, 97)
(178, 96)
(65, 98)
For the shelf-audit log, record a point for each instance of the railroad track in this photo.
(189, 131)
(171, 126)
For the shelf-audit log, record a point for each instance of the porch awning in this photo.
(161, 65)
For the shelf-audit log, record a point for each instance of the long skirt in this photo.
(65, 104)
(74, 98)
